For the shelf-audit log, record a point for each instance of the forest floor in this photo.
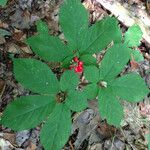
(89, 132)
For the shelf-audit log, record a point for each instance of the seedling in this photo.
(54, 99)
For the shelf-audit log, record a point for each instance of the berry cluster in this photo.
(78, 66)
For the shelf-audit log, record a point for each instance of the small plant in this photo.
(55, 97)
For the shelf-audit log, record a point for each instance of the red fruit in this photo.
(75, 59)
(78, 69)
(80, 63)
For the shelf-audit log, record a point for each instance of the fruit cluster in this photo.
(78, 66)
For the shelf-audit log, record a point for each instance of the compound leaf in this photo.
(35, 76)
(133, 36)
(100, 35)
(27, 112)
(109, 107)
(130, 87)
(57, 129)
(69, 80)
(114, 61)
(76, 100)
(77, 15)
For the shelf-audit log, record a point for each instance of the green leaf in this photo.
(57, 129)
(67, 61)
(133, 36)
(69, 80)
(100, 35)
(73, 20)
(48, 47)
(4, 32)
(91, 73)
(114, 61)
(148, 140)
(3, 2)
(88, 60)
(27, 112)
(76, 100)
(42, 27)
(35, 76)
(91, 91)
(137, 55)
(109, 107)
(130, 87)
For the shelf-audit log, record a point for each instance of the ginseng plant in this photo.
(54, 97)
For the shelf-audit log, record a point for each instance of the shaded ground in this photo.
(89, 131)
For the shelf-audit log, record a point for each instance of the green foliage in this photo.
(35, 76)
(57, 129)
(110, 107)
(132, 38)
(73, 21)
(147, 136)
(54, 98)
(82, 40)
(3, 2)
(111, 88)
(28, 111)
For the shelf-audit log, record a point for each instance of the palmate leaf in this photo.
(99, 35)
(27, 112)
(69, 80)
(57, 129)
(133, 36)
(114, 61)
(73, 21)
(109, 107)
(76, 100)
(35, 76)
(130, 87)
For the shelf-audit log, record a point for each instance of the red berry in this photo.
(76, 59)
(80, 63)
(78, 69)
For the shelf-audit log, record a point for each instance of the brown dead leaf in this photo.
(31, 146)
(13, 48)
(18, 35)
(2, 85)
(10, 137)
(3, 25)
(134, 64)
(145, 110)
(88, 5)
(106, 130)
